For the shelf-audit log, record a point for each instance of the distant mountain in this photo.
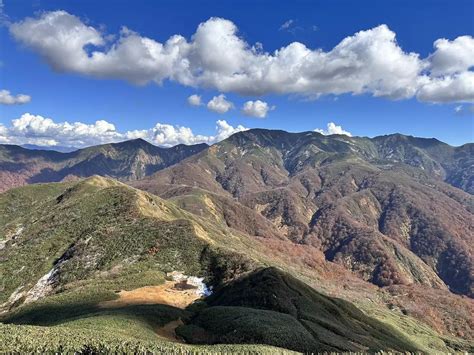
(129, 160)
(453, 164)
(379, 207)
(135, 159)
(56, 148)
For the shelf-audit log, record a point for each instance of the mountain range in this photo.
(367, 204)
(57, 148)
(129, 160)
(308, 242)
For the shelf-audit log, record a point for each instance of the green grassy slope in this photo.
(92, 238)
(96, 228)
(87, 340)
(302, 319)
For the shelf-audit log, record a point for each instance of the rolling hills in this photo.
(67, 248)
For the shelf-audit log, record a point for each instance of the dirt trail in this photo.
(166, 293)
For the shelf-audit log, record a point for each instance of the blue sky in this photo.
(64, 92)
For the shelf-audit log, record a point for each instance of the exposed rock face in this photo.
(42, 288)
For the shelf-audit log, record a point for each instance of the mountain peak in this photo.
(264, 137)
(419, 141)
(137, 142)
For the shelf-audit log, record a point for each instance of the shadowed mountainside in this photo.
(272, 307)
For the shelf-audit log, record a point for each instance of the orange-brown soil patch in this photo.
(166, 293)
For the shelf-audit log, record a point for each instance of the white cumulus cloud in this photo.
(452, 56)
(38, 130)
(333, 128)
(453, 88)
(219, 104)
(256, 108)
(224, 130)
(6, 98)
(216, 57)
(194, 100)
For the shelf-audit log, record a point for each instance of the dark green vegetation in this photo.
(103, 336)
(124, 161)
(272, 307)
(372, 221)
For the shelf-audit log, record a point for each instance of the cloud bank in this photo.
(38, 130)
(368, 62)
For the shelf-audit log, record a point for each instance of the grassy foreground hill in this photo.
(273, 307)
(69, 249)
(66, 248)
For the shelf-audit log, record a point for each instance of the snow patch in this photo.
(198, 282)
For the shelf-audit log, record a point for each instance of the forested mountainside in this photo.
(380, 207)
(129, 160)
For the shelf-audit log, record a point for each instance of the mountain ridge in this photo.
(125, 160)
(441, 160)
